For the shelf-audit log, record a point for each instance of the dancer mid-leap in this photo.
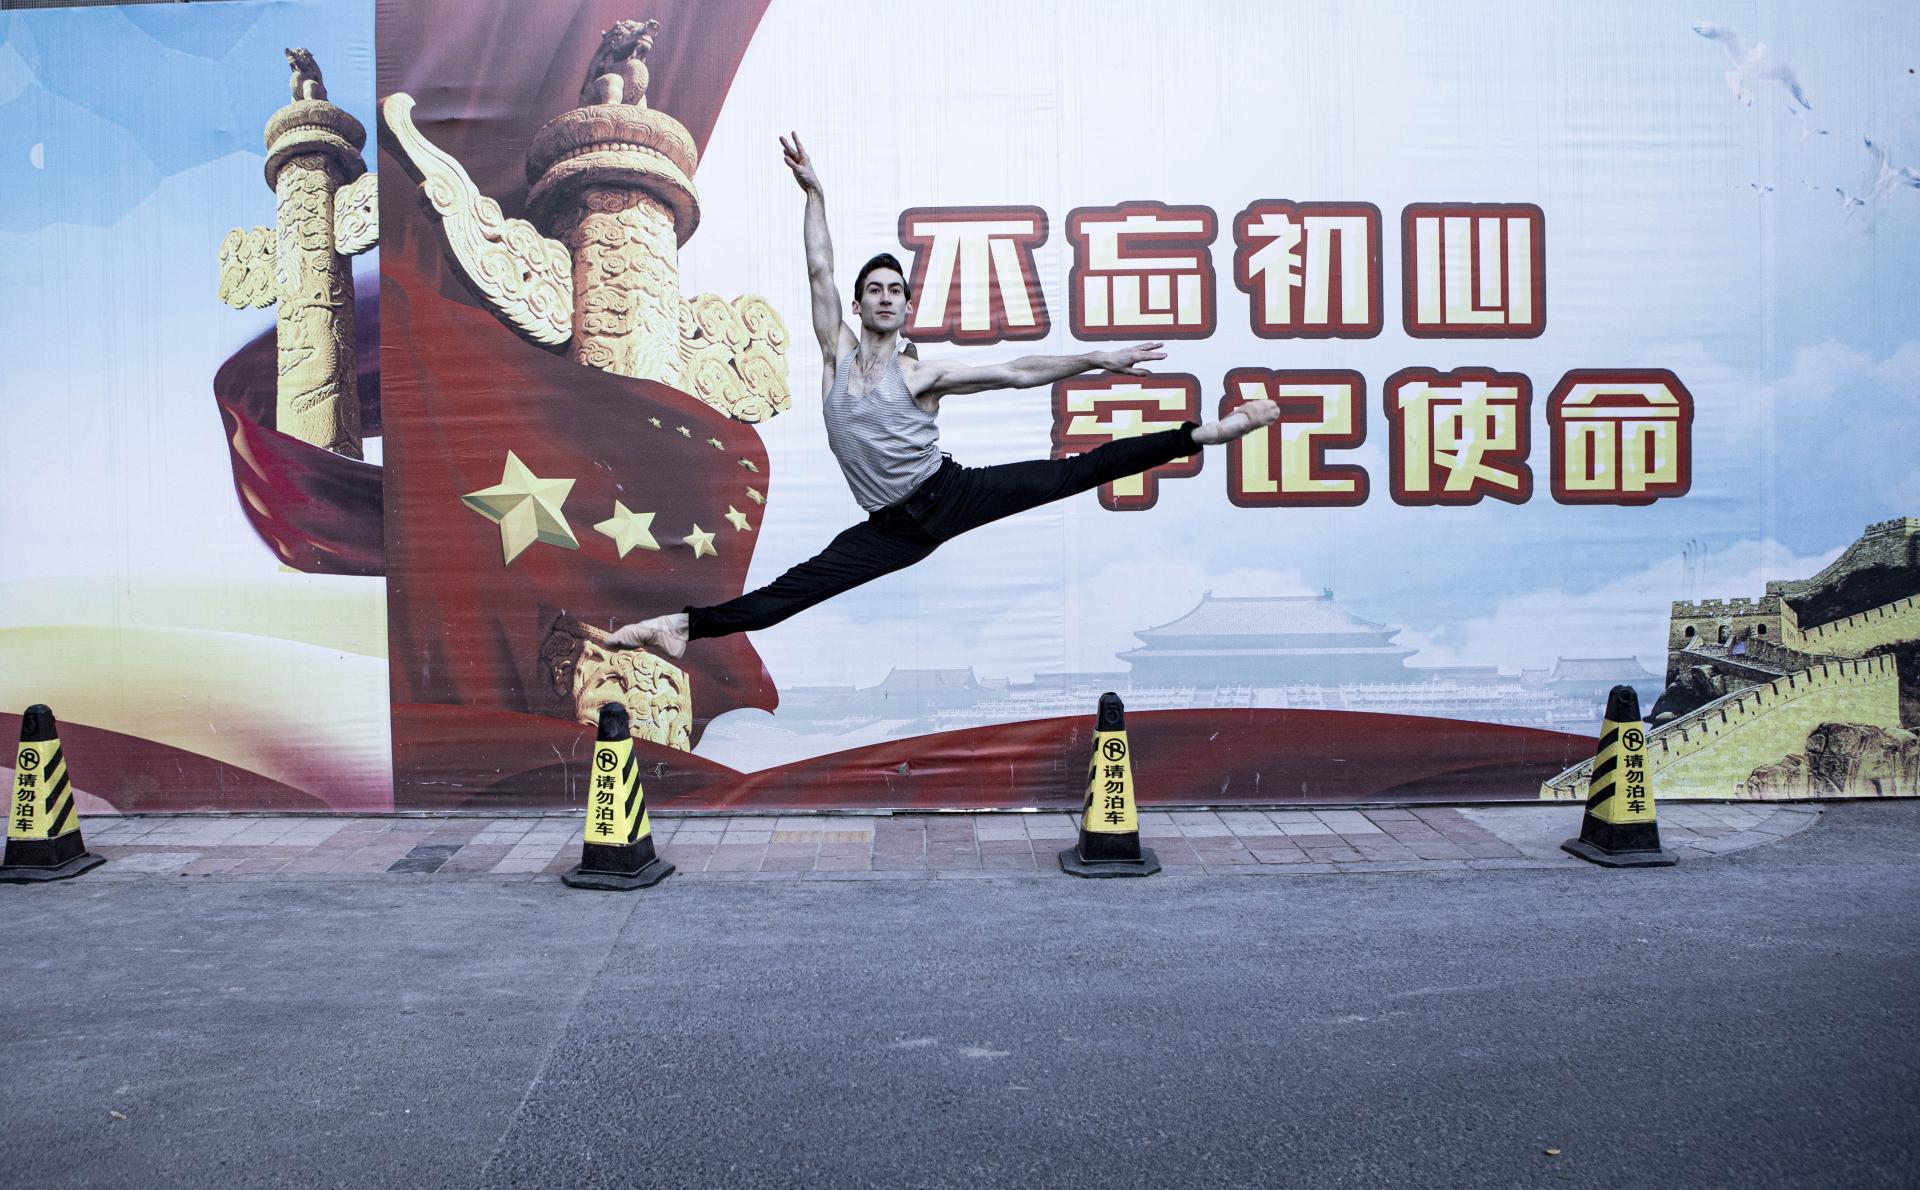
(880, 408)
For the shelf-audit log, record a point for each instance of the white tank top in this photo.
(886, 445)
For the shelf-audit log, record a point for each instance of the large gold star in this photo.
(736, 518)
(702, 543)
(526, 507)
(628, 529)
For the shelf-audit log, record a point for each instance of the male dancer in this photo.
(880, 408)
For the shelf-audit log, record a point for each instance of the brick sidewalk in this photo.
(918, 846)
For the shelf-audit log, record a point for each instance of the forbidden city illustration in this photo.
(1810, 690)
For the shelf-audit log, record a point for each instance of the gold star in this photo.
(736, 518)
(701, 542)
(684, 431)
(716, 444)
(628, 529)
(749, 465)
(655, 422)
(754, 495)
(526, 507)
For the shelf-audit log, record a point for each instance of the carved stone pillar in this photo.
(313, 150)
(613, 182)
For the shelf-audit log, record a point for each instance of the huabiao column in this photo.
(613, 181)
(326, 214)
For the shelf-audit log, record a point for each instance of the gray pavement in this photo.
(862, 847)
(1747, 1018)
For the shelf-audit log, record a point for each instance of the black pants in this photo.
(954, 500)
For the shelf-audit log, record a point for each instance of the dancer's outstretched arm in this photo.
(936, 378)
(828, 328)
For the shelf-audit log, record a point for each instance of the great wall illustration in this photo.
(1811, 690)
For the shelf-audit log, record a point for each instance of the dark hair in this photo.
(883, 261)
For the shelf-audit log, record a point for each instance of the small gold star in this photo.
(754, 495)
(629, 529)
(716, 444)
(684, 431)
(736, 518)
(749, 465)
(655, 421)
(526, 507)
(702, 543)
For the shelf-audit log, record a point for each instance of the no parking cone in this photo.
(1109, 826)
(616, 853)
(43, 825)
(1619, 828)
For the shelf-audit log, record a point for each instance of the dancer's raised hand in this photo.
(801, 164)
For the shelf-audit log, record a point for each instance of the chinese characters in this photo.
(1312, 271)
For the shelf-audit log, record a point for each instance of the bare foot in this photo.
(1238, 424)
(664, 634)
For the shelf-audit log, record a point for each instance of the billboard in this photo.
(1588, 334)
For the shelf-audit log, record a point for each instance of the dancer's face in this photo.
(882, 301)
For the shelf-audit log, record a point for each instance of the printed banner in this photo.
(1551, 351)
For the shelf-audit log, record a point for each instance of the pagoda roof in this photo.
(1598, 669)
(923, 679)
(1151, 650)
(1266, 616)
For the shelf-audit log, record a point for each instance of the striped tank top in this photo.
(886, 445)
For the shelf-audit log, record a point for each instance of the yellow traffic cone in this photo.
(616, 853)
(1109, 827)
(1619, 828)
(43, 826)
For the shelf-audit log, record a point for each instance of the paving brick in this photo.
(863, 877)
(1387, 851)
(457, 830)
(474, 857)
(843, 863)
(1307, 828)
(787, 863)
(736, 857)
(1279, 855)
(1493, 850)
(1205, 830)
(213, 863)
(424, 859)
(1000, 830)
(1348, 822)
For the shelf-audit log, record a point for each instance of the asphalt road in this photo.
(1750, 1020)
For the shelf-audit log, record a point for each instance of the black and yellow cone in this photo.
(43, 824)
(1109, 842)
(616, 853)
(1619, 828)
